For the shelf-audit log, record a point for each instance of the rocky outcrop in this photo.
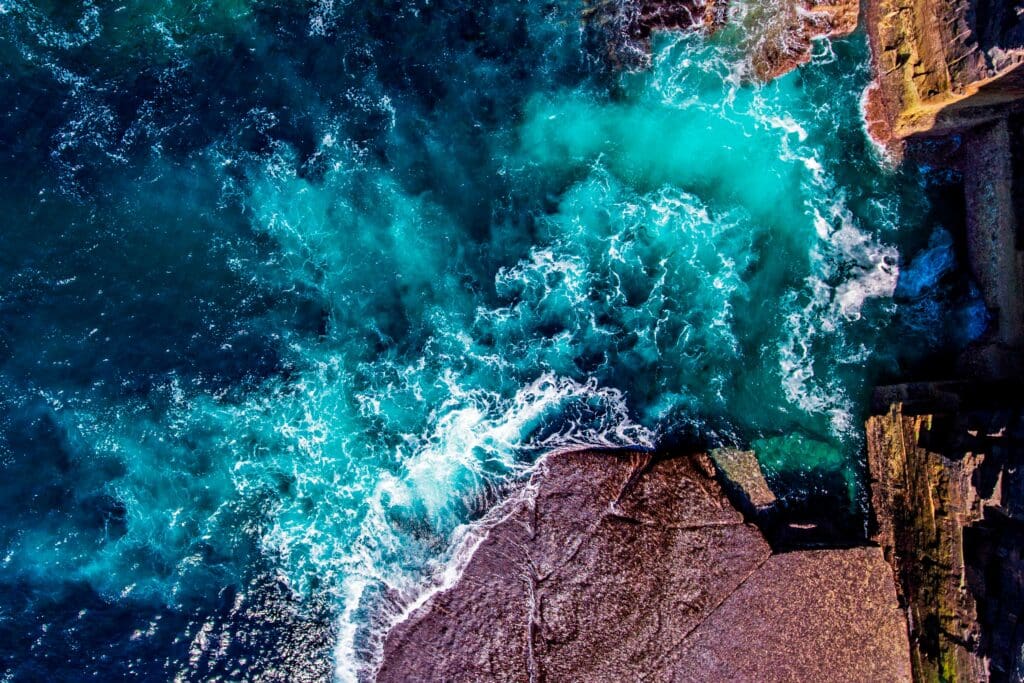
(623, 566)
(625, 27)
(944, 457)
(994, 246)
(942, 65)
(948, 497)
(777, 36)
(945, 67)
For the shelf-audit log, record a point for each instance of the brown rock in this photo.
(942, 65)
(807, 615)
(614, 567)
(918, 504)
(741, 469)
(779, 35)
(947, 499)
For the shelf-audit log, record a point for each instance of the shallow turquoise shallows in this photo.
(297, 290)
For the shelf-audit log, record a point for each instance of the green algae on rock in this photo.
(948, 504)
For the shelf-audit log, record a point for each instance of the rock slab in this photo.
(742, 471)
(622, 566)
(814, 615)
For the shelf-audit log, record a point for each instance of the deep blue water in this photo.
(293, 290)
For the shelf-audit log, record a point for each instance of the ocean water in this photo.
(293, 291)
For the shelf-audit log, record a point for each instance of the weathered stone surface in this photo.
(615, 567)
(942, 65)
(608, 565)
(993, 248)
(807, 615)
(947, 498)
(957, 66)
(742, 470)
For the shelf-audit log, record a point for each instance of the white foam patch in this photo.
(851, 267)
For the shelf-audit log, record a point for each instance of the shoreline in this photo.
(933, 562)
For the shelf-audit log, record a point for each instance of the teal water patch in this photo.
(819, 469)
(765, 275)
(299, 293)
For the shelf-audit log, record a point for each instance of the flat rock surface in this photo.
(744, 471)
(807, 615)
(612, 567)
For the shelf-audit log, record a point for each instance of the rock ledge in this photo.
(624, 566)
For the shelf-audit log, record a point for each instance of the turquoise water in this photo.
(295, 291)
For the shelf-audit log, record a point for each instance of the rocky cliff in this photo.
(944, 457)
(942, 66)
(989, 161)
(953, 70)
(947, 470)
(623, 566)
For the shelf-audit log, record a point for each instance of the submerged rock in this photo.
(619, 566)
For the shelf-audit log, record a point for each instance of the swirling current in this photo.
(292, 291)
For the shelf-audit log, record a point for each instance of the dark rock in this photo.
(993, 249)
(777, 36)
(627, 25)
(947, 500)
